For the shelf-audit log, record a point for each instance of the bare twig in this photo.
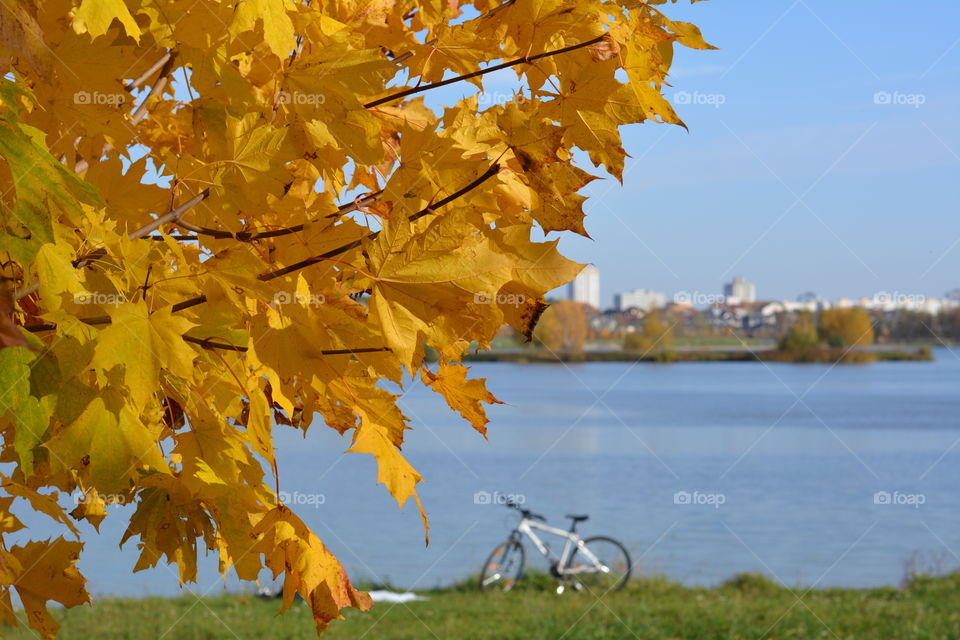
(149, 72)
(170, 216)
(141, 111)
(155, 90)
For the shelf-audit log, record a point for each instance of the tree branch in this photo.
(155, 90)
(210, 343)
(248, 236)
(493, 170)
(270, 275)
(174, 214)
(141, 111)
(149, 72)
(474, 74)
(170, 216)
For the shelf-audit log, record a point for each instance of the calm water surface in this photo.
(795, 453)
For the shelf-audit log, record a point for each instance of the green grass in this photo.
(746, 607)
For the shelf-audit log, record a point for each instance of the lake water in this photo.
(780, 462)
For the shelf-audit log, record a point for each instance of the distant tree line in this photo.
(566, 326)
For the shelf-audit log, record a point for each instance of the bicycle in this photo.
(598, 563)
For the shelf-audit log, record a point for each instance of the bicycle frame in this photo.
(571, 540)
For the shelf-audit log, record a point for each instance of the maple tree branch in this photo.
(174, 215)
(498, 9)
(141, 111)
(343, 352)
(155, 90)
(174, 236)
(209, 343)
(149, 72)
(170, 216)
(474, 74)
(270, 275)
(248, 236)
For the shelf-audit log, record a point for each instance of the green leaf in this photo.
(31, 415)
(44, 188)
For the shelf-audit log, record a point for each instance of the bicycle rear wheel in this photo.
(504, 567)
(601, 565)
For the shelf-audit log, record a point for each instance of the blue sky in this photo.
(799, 180)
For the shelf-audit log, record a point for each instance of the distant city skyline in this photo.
(588, 288)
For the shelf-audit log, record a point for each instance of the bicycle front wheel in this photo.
(503, 568)
(601, 565)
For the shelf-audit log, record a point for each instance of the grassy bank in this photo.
(748, 607)
(859, 356)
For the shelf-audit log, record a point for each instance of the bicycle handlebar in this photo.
(526, 513)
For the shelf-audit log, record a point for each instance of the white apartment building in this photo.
(585, 289)
(739, 291)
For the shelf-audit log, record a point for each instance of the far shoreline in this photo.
(811, 356)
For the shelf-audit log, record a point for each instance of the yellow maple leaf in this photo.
(289, 547)
(48, 574)
(142, 343)
(96, 16)
(462, 395)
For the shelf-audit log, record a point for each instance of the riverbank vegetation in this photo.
(841, 335)
(746, 354)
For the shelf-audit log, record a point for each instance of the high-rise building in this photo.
(642, 299)
(739, 291)
(585, 289)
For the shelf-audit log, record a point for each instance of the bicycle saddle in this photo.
(578, 518)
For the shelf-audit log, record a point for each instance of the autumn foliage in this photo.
(221, 217)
